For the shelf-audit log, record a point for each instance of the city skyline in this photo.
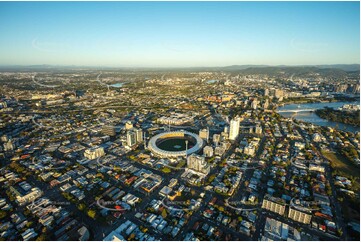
(179, 34)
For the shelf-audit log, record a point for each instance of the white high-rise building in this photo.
(198, 163)
(266, 104)
(139, 134)
(93, 153)
(258, 129)
(4, 138)
(204, 134)
(266, 92)
(234, 128)
(131, 138)
(8, 146)
(208, 151)
(216, 139)
(254, 104)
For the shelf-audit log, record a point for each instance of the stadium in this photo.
(173, 144)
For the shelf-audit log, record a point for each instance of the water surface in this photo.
(288, 111)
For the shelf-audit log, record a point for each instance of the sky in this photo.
(179, 34)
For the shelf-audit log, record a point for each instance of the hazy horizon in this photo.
(166, 67)
(179, 34)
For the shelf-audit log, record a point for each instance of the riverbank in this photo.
(303, 100)
(305, 112)
(345, 117)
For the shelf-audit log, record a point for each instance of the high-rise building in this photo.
(139, 134)
(204, 134)
(266, 104)
(258, 129)
(4, 138)
(94, 153)
(8, 146)
(219, 150)
(274, 204)
(278, 93)
(340, 88)
(234, 128)
(109, 130)
(198, 163)
(131, 138)
(225, 130)
(254, 104)
(208, 151)
(266, 92)
(249, 150)
(316, 137)
(356, 88)
(225, 134)
(216, 139)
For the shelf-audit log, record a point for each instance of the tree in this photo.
(164, 213)
(131, 237)
(166, 170)
(81, 206)
(340, 232)
(28, 224)
(41, 237)
(2, 214)
(92, 213)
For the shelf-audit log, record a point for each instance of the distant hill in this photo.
(351, 67)
(267, 69)
(250, 69)
(344, 67)
(294, 70)
(242, 67)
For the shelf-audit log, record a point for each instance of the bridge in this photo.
(297, 110)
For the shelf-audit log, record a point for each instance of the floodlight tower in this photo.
(145, 142)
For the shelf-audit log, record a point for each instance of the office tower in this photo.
(254, 104)
(131, 138)
(4, 138)
(216, 139)
(139, 134)
(204, 134)
(198, 163)
(266, 92)
(278, 93)
(3, 105)
(266, 104)
(8, 146)
(356, 88)
(258, 129)
(208, 151)
(234, 128)
(94, 153)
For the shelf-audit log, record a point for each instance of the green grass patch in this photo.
(341, 164)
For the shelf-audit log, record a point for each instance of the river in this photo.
(310, 117)
(117, 85)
